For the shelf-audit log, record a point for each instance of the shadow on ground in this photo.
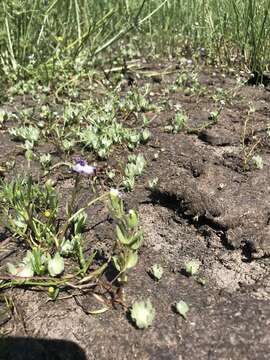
(20, 348)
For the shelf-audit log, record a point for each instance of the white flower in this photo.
(115, 192)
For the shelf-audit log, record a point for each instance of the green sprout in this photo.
(45, 160)
(134, 167)
(135, 101)
(31, 213)
(30, 210)
(145, 136)
(188, 81)
(143, 313)
(156, 271)
(177, 124)
(192, 267)
(3, 116)
(258, 162)
(214, 116)
(152, 184)
(182, 308)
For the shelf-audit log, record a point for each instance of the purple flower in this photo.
(82, 167)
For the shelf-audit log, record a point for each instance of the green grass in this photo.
(229, 30)
(45, 36)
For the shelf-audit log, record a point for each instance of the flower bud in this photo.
(115, 199)
(132, 219)
(51, 291)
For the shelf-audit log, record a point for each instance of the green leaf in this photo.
(22, 270)
(136, 241)
(143, 313)
(145, 135)
(182, 308)
(116, 262)
(79, 222)
(121, 236)
(11, 268)
(56, 265)
(131, 260)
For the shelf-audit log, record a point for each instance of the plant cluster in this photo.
(188, 82)
(250, 147)
(136, 101)
(32, 214)
(27, 134)
(178, 123)
(134, 167)
(91, 125)
(30, 210)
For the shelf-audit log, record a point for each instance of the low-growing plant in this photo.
(248, 151)
(212, 120)
(94, 126)
(45, 161)
(32, 213)
(143, 313)
(30, 210)
(152, 184)
(223, 96)
(134, 167)
(90, 124)
(136, 101)
(258, 162)
(188, 82)
(182, 308)
(214, 116)
(146, 121)
(25, 133)
(134, 138)
(32, 264)
(178, 123)
(29, 135)
(192, 267)
(37, 262)
(3, 116)
(156, 271)
(129, 236)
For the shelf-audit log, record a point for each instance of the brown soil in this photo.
(205, 207)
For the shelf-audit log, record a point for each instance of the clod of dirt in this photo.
(234, 203)
(222, 137)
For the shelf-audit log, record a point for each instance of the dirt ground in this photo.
(205, 206)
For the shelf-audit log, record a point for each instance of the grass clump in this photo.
(42, 39)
